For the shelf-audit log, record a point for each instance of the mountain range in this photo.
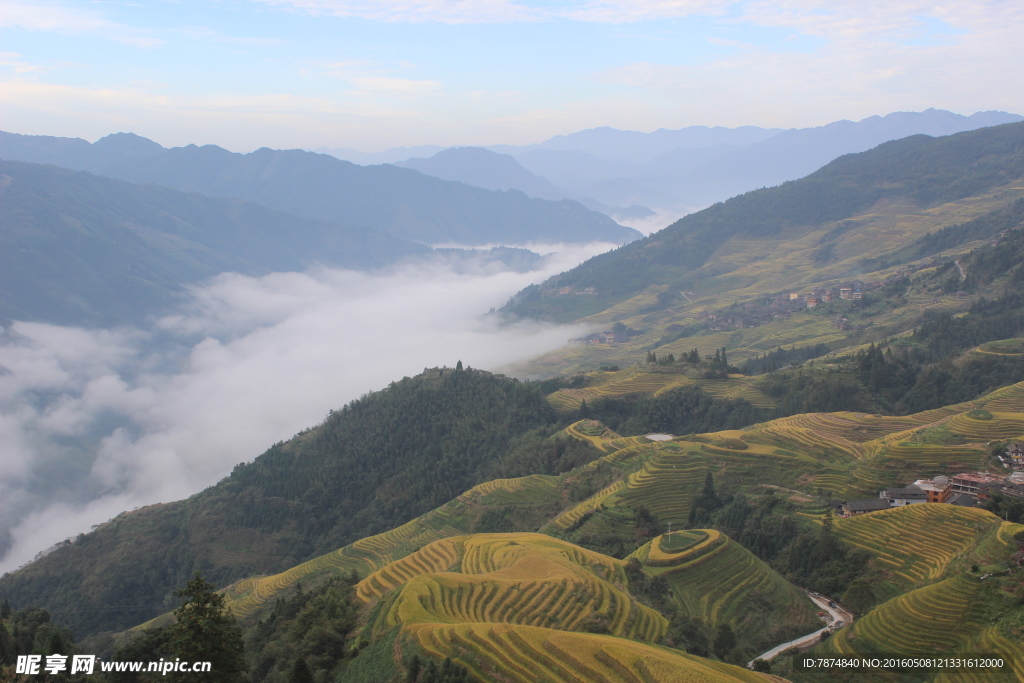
(674, 171)
(399, 201)
(667, 499)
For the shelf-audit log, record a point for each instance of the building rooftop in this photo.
(963, 500)
(980, 478)
(910, 491)
(867, 505)
(929, 485)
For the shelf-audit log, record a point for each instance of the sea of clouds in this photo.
(95, 422)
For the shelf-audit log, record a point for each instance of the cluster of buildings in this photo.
(823, 295)
(968, 489)
(564, 291)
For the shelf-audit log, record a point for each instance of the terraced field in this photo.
(943, 618)
(919, 543)
(635, 380)
(1008, 399)
(591, 431)
(525, 579)
(719, 581)
(666, 484)
(936, 618)
(499, 653)
(779, 452)
(367, 555)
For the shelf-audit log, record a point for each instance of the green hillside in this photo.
(959, 615)
(920, 171)
(715, 580)
(372, 466)
(82, 249)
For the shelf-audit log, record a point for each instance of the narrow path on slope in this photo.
(838, 614)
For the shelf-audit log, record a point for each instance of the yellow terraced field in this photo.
(568, 519)
(943, 618)
(1003, 425)
(918, 542)
(635, 381)
(500, 653)
(527, 579)
(367, 555)
(1008, 399)
(936, 618)
(666, 484)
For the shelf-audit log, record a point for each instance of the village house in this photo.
(906, 495)
(977, 483)
(938, 489)
(852, 508)
(565, 290)
(1015, 451)
(826, 297)
(793, 296)
(845, 292)
(857, 295)
(965, 500)
(812, 301)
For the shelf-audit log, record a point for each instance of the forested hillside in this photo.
(373, 465)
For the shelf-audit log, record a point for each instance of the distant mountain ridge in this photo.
(713, 168)
(81, 249)
(403, 202)
(679, 171)
(494, 171)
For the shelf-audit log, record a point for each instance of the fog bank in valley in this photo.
(94, 422)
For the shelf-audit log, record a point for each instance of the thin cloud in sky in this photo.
(445, 11)
(374, 75)
(94, 422)
(66, 19)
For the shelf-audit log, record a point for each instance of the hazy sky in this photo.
(372, 74)
(94, 422)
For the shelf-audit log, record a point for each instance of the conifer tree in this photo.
(300, 672)
(204, 630)
(725, 641)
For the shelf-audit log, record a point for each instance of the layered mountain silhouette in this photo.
(494, 171)
(76, 248)
(676, 171)
(399, 201)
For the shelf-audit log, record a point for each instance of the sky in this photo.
(375, 74)
(95, 422)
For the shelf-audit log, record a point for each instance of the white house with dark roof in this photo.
(852, 508)
(905, 495)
